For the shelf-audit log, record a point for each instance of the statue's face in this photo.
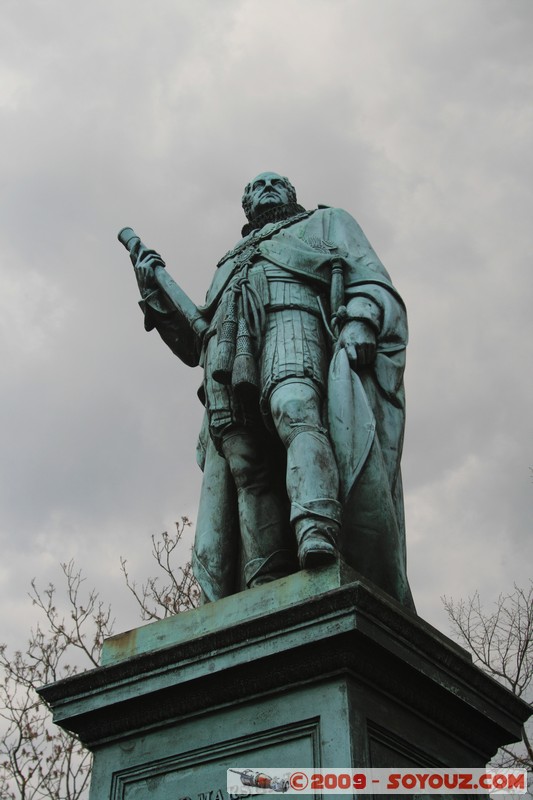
(268, 190)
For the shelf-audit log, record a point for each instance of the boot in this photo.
(263, 570)
(317, 526)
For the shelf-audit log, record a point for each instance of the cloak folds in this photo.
(365, 414)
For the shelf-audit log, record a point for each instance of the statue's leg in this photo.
(312, 475)
(267, 554)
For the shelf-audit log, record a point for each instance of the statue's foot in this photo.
(316, 525)
(316, 550)
(260, 580)
(265, 569)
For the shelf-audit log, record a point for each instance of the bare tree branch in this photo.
(501, 642)
(37, 759)
(176, 590)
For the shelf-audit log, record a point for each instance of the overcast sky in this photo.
(415, 116)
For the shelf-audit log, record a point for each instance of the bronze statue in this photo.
(302, 341)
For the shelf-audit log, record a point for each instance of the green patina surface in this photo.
(302, 342)
(249, 605)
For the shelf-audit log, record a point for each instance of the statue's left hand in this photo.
(358, 338)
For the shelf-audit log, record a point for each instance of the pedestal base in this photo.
(317, 669)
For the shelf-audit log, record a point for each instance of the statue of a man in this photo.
(302, 341)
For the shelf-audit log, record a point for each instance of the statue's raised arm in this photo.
(165, 304)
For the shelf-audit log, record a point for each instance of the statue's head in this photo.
(267, 191)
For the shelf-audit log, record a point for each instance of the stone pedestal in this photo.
(317, 669)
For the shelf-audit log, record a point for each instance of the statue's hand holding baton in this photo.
(146, 262)
(151, 275)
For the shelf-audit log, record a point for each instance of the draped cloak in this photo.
(365, 412)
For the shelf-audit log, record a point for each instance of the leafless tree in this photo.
(37, 759)
(174, 589)
(501, 642)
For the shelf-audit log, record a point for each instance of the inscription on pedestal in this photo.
(201, 774)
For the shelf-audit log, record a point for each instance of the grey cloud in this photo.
(116, 113)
